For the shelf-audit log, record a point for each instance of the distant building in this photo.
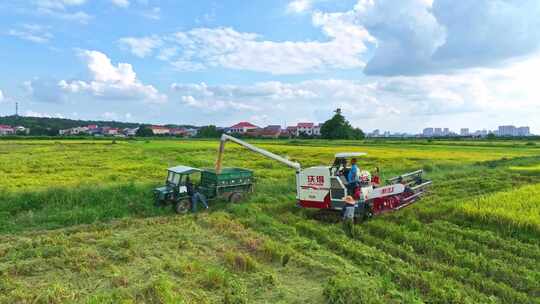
(242, 127)
(112, 131)
(437, 132)
(177, 132)
(523, 131)
(507, 131)
(375, 133)
(480, 133)
(160, 130)
(254, 132)
(291, 131)
(446, 132)
(6, 130)
(271, 131)
(428, 132)
(130, 131)
(191, 132)
(74, 131)
(464, 132)
(308, 128)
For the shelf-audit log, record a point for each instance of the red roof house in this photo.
(6, 130)
(160, 130)
(305, 125)
(242, 127)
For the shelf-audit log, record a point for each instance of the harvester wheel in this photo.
(235, 197)
(182, 207)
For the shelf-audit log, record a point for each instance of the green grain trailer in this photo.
(231, 184)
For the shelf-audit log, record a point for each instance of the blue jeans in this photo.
(195, 198)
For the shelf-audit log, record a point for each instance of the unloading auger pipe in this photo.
(225, 138)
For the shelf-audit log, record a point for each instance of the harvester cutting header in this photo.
(331, 187)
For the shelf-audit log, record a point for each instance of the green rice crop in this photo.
(516, 208)
(77, 225)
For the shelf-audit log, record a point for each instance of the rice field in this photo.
(77, 225)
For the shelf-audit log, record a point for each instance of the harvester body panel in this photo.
(385, 191)
(314, 187)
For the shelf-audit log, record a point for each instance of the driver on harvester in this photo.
(352, 179)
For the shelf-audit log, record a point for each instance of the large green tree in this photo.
(338, 127)
(144, 131)
(209, 132)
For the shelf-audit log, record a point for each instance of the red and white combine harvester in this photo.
(326, 187)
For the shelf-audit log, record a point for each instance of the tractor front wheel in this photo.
(182, 207)
(235, 197)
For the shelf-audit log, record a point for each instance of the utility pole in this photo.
(16, 109)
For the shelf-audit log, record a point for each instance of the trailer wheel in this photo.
(235, 197)
(182, 207)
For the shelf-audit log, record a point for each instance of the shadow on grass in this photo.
(62, 207)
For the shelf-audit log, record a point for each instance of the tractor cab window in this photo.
(173, 178)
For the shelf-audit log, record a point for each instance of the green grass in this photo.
(77, 224)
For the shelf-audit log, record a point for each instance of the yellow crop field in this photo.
(78, 225)
(514, 207)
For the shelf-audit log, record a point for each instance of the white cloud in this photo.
(383, 102)
(111, 82)
(109, 116)
(299, 6)
(152, 14)
(58, 4)
(44, 90)
(203, 48)
(1, 96)
(31, 113)
(61, 9)
(32, 32)
(141, 47)
(121, 3)
(213, 105)
(434, 36)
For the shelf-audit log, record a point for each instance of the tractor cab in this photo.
(175, 184)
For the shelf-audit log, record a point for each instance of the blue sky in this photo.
(392, 65)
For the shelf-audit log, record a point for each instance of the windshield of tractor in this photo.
(173, 178)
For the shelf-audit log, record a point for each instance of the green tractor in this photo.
(231, 184)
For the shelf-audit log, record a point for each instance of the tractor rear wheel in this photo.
(235, 197)
(182, 207)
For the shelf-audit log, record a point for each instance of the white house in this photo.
(308, 128)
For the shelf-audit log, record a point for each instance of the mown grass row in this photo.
(498, 280)
(160, 260)
(489, 274)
